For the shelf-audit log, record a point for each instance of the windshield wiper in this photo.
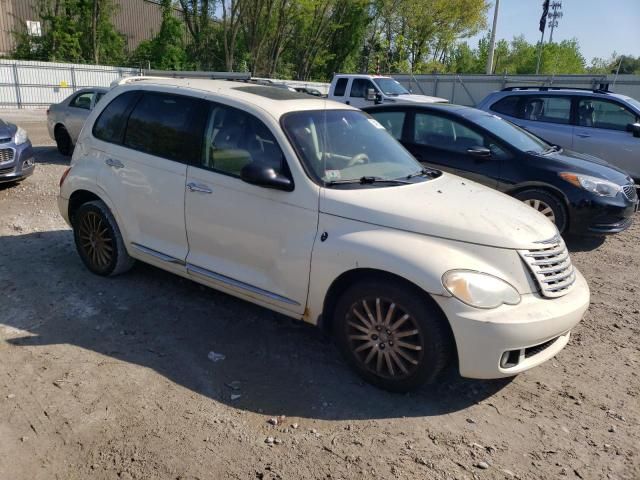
(428, 172)
(367, 180)
(551, 149)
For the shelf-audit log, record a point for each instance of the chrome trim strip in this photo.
(158, 255)
(237, 283)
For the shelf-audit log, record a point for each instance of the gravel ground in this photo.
(109, 378)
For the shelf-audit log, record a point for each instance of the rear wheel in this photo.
(391, 335)
(98, 240)
(547, 204)
(63, 141)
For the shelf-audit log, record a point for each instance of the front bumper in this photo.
(601, 215)
(537, 328)
(20, 161)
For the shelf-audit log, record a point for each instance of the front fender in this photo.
(420, 259)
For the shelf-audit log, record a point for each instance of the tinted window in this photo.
(168, 126)
(603, 114)
(82, 101)
(359, 87)
(341, 87)
(442, 132)
(547, 109)
(112, 121)
(392, 121)
(507, 106)
(234, 139)
(99, 96)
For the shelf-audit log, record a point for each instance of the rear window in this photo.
(111, 123)
(341, 87)
(507, 106)
(168, 126)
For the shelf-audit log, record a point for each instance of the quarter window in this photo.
(603, 114)
(168, 126)
(392, 121)
(112, 121)
(341, 87)
(235, 139)
(507, 106)
(359, 87)
(547, 109)
(82, 101)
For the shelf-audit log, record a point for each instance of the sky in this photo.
(601, 26)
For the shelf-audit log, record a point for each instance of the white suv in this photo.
(310, 208)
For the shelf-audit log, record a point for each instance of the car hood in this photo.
(7, 130)
(447, 207)
(411, 98)
(574, 162)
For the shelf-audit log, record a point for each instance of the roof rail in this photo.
(135, 78)
(603, 88)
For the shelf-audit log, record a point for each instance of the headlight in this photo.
(596, 185)
(479, 290)
(21, 136)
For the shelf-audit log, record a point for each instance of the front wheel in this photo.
(391, 334)
(547, 204)
(99, 241)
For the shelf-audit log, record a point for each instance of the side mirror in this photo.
(371, 94)
(480, 152)
(265, 176)
(634, 128)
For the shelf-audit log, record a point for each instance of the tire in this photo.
(365, 346)
(99, 241)
(546, 203)
(63, 141)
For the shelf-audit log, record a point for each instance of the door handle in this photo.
(198, 187)
(114, 163)
(583, 135)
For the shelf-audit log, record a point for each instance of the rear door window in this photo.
(82, 101)
(234, 139)
(552, 109)
(112, 121)
(167, 126)
(392, 121)
(604, 114)
(341, 87)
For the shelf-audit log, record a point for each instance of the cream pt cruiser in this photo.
(310, 208)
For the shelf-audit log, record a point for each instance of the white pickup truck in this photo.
(363, 90)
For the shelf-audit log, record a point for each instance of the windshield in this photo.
(512, 134)
(344, 145)
(389, 86)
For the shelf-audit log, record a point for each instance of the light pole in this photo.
(492, 44)
(555, 15)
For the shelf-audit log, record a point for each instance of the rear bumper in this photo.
(536, 329)
(63, 207)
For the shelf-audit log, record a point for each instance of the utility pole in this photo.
(543, 24)
(554, 16)
(492, 44)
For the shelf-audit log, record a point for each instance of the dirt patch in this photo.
(111, 378)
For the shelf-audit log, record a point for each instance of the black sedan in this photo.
(579, 193)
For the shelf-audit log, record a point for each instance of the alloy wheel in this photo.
(384, 338)
(96, 240)
(542, 207)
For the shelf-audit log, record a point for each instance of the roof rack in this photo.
(603, 88)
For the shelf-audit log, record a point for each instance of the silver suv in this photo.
(596, 122)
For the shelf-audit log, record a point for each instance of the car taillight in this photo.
(64, 176)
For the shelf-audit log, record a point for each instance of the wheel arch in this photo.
(550, 189)
(350, 277)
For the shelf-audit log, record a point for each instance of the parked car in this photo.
(362, 90)
(320, 215)
(597, 122)
(65, 119)
(579, 193)
(16, 154)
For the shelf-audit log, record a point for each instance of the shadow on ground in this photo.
(584, 243)
(169, 324)
(50, 155)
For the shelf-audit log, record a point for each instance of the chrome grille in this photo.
(551, 266)
(630, 192)
(6, 155)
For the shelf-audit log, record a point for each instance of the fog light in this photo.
(510, 359)
(29, 162)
